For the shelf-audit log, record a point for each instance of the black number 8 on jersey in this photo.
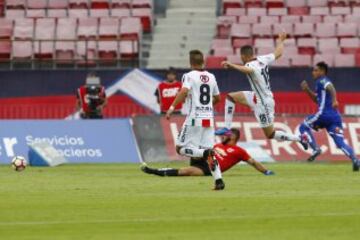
(204, 94)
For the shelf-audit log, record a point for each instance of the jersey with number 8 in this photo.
(202, 87)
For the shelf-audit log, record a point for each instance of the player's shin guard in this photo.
(192, 152)
(304, 129)
(229, 112)
(283, 136)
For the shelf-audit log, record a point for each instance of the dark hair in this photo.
(196, 57)
(247, 50)
(236, 132)
(171, 70)
(323, 66)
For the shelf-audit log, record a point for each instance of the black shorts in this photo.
(201, 164)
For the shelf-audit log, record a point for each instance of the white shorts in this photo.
(197, 137)
(264, 112)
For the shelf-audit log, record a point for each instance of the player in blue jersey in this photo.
(327, 117)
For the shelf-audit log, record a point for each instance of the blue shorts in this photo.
(333, 124)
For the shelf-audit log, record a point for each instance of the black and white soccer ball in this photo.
(18, 163)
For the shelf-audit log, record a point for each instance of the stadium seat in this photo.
(98, 13)
(108, 52)
(303, 29)
(57, 4)
(356, 11)
(339, 3)
(322, 11)
(298, 11)
(248, 19)
(214, 62)
(278, 11)
(223, 51)
(57, 13)
(142, 3)
(78, 4)
(88, 28)
(300, 60)
(120, 12)
(240, 31)
(45, 29)
(231, 4)
(238, 43)
(296, 3)
(15, 4)
(223, 26)
(344, 60)
(24, 29)
(234, 59)
(325, 30)
(263, 50)
(86, 54)
(317, 3)
(264, 43)
(22, 50)
(262, 30)
(130, 28)
(349, 45)
(274, 3)
(36, 4)
(43, 50)
(66, 28)
(6, 28)
(253, 3)
(328, 58)
(256, 11)
(78, 13)
(280, 27)
(340, 10)
(311, 19)
(290, 19)
(145, 15)
(5, 51)
(352, 18)
(36, 13)
(282, 62)
(269, 19)
(307, 45)
(129, 49)
(333, 19)
(109, 28)
(235, 12)
(347, 30)
(121, 4)
(15, 13)
(64, 52)
(220, 43)
(100, 4)
(328, 45)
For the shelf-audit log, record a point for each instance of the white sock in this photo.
(216, 172)
(229, 113)
(192, 152)
(283, 136)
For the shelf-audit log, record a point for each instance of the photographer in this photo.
(91, 98)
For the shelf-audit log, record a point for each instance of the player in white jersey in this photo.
(197, 136)
(260, 99)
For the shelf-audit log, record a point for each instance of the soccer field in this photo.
(303, 201)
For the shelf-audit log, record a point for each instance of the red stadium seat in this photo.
(130, 28)
(57, 4)
(328, 58)
(296, 3)
(349, 45)
(129, 49)
(64, 52)
(235, 12)
(274, 3)
(220, 43)
(22, 50)
(66, 29)
(333, 19)
(43, 50)
(352, 18)
(280, 27)
(321, 11)
(6, 28)
(262, 30)
(253, 3)
(340, 10)
(5, 51)
(100, 4)
(317, 3)
(223, 26)
(15, 4)
(88, 28)
(234, 59)
(347, 30)
(78, 13)
(290, 19)
(98, 13)
(36, 13)
(356, 11)
(264, 43)
(264, 50)
(36, 4)
(278, 11)
(338, 3)
(303, 29)
(145, 15)
(301, 60)
(45, 29)
(240, 31)
(282, 62)
(325, 30)
(248, 19)
(223, 51)
(345, 60)
(109, 28)
(256, 11)
(328, 45)
(311, 19)
(78, 4)
(86, 54)
(238, 43)
(231, 4)
(57, 13)
(24, 28)
(298, 11)
(108, 52)
(121, 4)
(120, 12)
(214, 62)
(307, 46)
(269, 19)
(15, 13)
(142, 4)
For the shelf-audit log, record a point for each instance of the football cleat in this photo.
(269, 173)
(222, 131)
(314, 155)
(304, 141)
(219, 185)
(356, 166)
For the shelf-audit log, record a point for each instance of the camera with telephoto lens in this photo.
(94, 97)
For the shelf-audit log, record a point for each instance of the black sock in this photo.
(170, 172)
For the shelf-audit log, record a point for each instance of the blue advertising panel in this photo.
(91, 141)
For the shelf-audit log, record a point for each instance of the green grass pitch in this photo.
(117, 201)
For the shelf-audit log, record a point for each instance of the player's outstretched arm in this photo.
(305, 87)
(180, 97)
(279, 49)
(331, 89)
(258, 166)
(240, 68)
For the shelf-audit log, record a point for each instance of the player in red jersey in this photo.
(227, 153)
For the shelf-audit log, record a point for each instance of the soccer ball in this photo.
(18, 163)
